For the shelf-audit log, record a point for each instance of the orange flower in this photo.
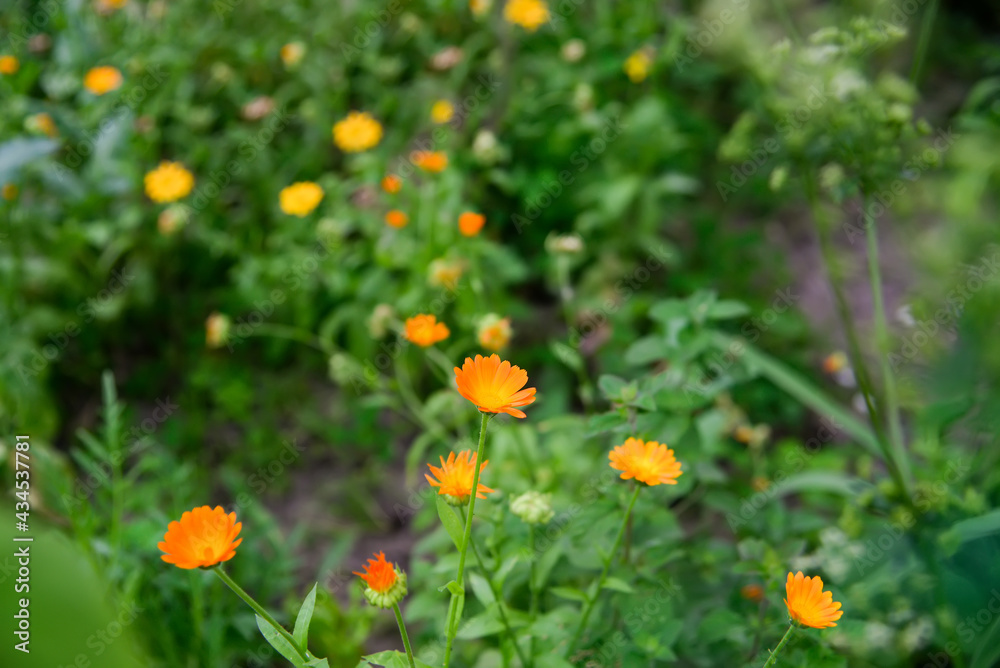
(379, 574)
(9, 64)
(396, 218)
(648, 462)
(470, 223)
(834, 362)
(392, 184)
(425, 330)
(808, 604)
(494, 332)
(454, 478)
(204, 537)
(752, 592)
(430, 161)
(101, 80)
(494, 386)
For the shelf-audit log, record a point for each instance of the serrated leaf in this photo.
(450, 520)
(277, 641)
(301, 631)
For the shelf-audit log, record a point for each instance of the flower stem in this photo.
(784, 639)
(532, 587)
(260, 610)
(453, 609)
(923, 41)
(402, 632)
(604, 573)
(497, 595)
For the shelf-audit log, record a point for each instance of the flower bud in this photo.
(533, 507)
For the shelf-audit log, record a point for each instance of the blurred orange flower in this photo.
(396, 218)
(752, 592)
(430, 161)
(808, 604)
(494, 386)
(529, 14)
(494, 332)
(392, 184)
(9, 64)
(424, 330)
(358, 132)
(454, 478)
(101, 80)
(648, 462)
(203, 537)
(470, 223)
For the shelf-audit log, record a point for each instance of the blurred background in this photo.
(656, 179)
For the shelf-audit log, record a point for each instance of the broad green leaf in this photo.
(452, 524)
(277, 641)
(727, 309)
(612, 386)
(301, 631)
(481, 588)
(617, 584)
(645, 350)
(567, 355)
(976, 527)
(484, 624)
(569, 593)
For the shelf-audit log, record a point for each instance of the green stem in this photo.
(466, 538)
(260, 611)
(882, 344)
(290, 333)
(923, 42)
(604, 574)
(533, 588)
(402, 632)
(497, 594)
(784, 639)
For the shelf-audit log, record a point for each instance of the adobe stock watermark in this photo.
(35, 361)
(816, 99)
(99, 641)
(38, 21)
(711, 29)
(378, 20)
(581, 158)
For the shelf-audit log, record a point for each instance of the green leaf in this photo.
(17, 153)
(483, 624)
(669, 309)
(452, 524)
(612, 386)
(820, 481)
(481, 588)
(569, 593)
(976, 527)
(453, 587)
(617, 584)
(645, 350)
(278, 642)
(318, 663)
(567, 355)
(301, 631)
(727, 309)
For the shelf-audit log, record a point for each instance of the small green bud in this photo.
(533, 507)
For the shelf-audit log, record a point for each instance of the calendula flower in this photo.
(300, 199)
(454, 478)
(648, 462)
(494, 386)
(424, 330)
(808, 604)
(442, 111)
(445, 273)
(9, 64)
(8, 192)
(533, 507)
(480, 7)
(217, 327)
(529, 14)
(358, 132)
(105, 6)
(41, 123)
(169, 182)
(494, 332)
(396, 218)
(202, 538)
(385, 582)
(392, 184)
(470, 223)
(834, 362)
(752, 592)
(637, 65)
(292, 53)
(430, 161)
(101, 80)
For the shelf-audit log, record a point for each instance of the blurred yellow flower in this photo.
(430, 161)
(42, 122)
(445, 273)
(494, 332)
(392, 184)
(424, 330)
(480, 7)
(469, 223)
(9, 64)
(637, 65)
(217, 327)
(292, 53)
(300, 199)
(396, 218)
(101, 80)
(834, 362)
(169, 182)
(358, 132)
(8, 192)
(529, 14)
(442, 111)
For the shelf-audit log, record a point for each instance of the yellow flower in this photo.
(8, 192)
(300, 199)
(442, 111)
(396, 218)
(480, 7)
(202, 538)
(454, 478)
(529, 14)
(424, 330)
(648, 462)
(169, 182)
(101, 80)
(834, 362)
(42, 122)
(392, 184)
(494, 332)
(358, 132)
(470, 223)
(494, 386)
(292, 53)
(445, 273)
(637, 65)
(217, 327)
(808, 604)
(430, 161)
(9, 64)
